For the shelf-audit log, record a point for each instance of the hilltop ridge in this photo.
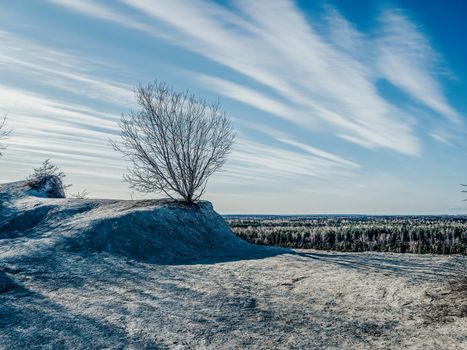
(160, 231)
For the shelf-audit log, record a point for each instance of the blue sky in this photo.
(340, 106)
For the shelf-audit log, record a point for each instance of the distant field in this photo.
(356, 233)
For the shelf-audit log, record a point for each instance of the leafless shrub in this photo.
(3, 133)
(43, 173)
(80, 195)
(174, 142)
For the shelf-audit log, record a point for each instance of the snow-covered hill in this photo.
(158, 231)
(108, 274)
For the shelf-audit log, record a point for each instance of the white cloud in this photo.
(406, 59)
(269, 162)
(328, 76)
(63, 71)
(441, 139)
(272, 43)
(304, 147)
(251, 97)
(69, 133)
(94, 9)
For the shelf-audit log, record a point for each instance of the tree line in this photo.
(422, 235)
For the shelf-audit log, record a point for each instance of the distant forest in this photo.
(401, 234)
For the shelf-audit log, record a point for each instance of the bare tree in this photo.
(174, 141)
(3, 133)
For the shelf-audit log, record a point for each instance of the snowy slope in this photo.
(108, 274)
(156, 231)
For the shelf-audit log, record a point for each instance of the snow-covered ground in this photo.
(128, 274)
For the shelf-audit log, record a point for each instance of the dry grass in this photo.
(447, 302)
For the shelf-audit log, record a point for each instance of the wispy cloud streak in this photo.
(315, 75)
(406, 59)
(63, 71)
(322, 74)
(275, 45)
(69, 133)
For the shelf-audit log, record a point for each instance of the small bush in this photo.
(48, 177)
